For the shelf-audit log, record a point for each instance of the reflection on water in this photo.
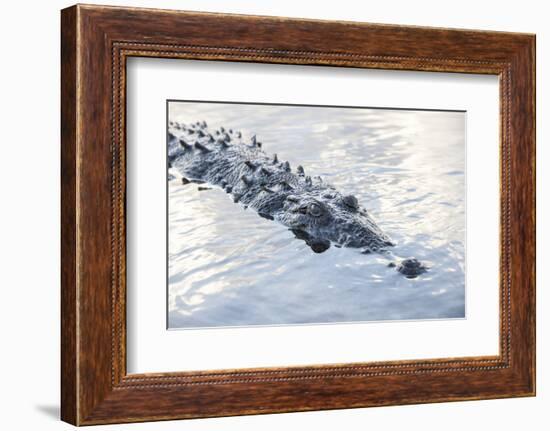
(229, 267)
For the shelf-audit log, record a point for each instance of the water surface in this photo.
(229, 267)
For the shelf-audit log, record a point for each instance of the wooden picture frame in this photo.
(95, 43)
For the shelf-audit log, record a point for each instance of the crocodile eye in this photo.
(315, 210)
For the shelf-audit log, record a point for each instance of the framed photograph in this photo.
(264, 214)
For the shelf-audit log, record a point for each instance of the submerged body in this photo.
(311, 208)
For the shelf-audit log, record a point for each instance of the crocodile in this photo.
(312, 209)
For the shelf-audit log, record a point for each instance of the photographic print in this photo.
(297, 214)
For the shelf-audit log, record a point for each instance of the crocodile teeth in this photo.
(275, 159)
(300, 170)
(286, 166)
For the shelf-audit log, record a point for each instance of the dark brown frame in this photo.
(96, 41)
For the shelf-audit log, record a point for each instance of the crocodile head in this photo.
(323, 217)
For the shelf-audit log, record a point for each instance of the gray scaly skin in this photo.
(312, 209)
